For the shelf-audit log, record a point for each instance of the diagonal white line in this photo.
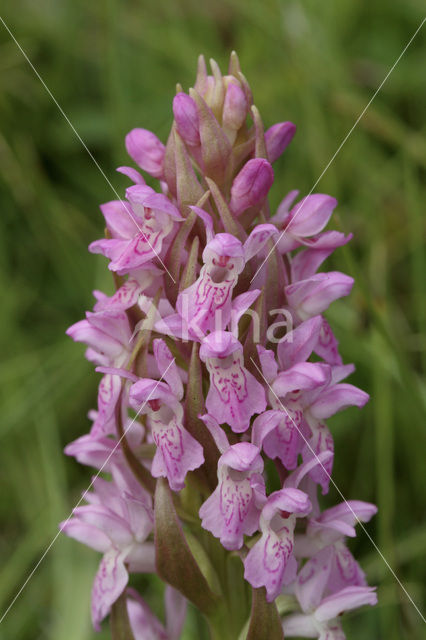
(345, 139)
(82, 498)
(343, 497)
(125, 205)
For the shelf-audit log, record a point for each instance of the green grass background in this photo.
(113, 66)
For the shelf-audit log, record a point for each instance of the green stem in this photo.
(219, 624)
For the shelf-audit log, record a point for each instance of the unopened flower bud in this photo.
(146, 150)
(186, 116)
(251, 185)
(277, 138)
(235, 107)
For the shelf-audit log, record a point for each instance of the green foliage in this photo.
(113, 66)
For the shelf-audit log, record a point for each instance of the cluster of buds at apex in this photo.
(204, 400)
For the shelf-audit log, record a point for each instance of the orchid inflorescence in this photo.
(218, 373)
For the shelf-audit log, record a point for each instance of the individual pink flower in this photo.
(329, 530)
(312, 296)
(321, 403)
(177, 450)
(107, 334)
(116, 522)
(282, 431)
(137, 228)
(109, 391)
(319, 617)
(305, 219)
(207, 304)
(232, 510)
(234, 395)
(270, 563)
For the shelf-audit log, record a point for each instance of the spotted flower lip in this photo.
(177, 451)
(270, 562)
(217, 384)
(234, 395)
(232, 510)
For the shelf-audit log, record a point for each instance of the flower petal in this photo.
(336, 398)
(110, 582)
(345, 600)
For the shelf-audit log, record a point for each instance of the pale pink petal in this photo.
(346, 513)
(311, 214)
(120, 219)
(217, 433)
(167, 367)
(265, 563)
(303, 375)
(177, 453)
(314, 295)
(268, 363)
(313, 578)
(327, 345)
(295, 478)
(235, 107)
(282, 215)
(307, 262)
(99, 341)
(98, 452)
(110, 582)
(108, 394)
(146, 390)
(176, 606)
(257, 239)
(345, 600)
(336, 398)
(321, 440)
(297, 345)
(285, 441)
(346, 570)
(88, 534)
(133, 174)
(232, 509)
(114, 526)
(298, 625)
(145, 625)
